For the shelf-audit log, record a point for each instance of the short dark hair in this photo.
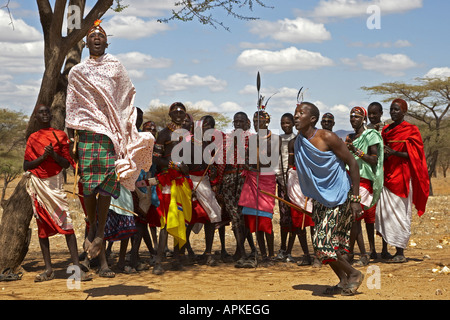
(177, 104)
(288, 115)
(376, 104)
(210, 119)
(314, 110)
(241, 113)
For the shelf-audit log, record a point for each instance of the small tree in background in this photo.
(160, 116)
(429, 104)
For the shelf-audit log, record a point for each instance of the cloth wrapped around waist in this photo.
(256, 205)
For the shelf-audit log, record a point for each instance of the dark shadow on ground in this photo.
(119, 290)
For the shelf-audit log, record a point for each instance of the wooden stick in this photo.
(75, 179)
(56, 137)
(286, 202)
(203, 175)
(303, 220)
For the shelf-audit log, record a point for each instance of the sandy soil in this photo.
(422, 277)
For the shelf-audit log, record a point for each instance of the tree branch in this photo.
(9, 13)
(46, 16)
(57, 22)
(96, 12)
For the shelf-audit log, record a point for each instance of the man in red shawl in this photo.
(406, 181)
(46, 154)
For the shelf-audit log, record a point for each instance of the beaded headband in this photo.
(96, 28)
(360, 111)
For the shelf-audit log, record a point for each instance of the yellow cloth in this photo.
(180, 212)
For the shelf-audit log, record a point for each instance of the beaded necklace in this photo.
(173, 126)
(313, 135)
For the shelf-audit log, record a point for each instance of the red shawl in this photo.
(398, 172)
(35, 148)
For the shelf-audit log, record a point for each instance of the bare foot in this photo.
(95, 248)
(86, 244)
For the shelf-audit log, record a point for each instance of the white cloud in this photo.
(131, 27)
(27, 57)
(157, 103)
(229, 106)
(22, 48)
(136, 63)
(443, 72)
(288, 59)
(21, 32)
(18, 96)
(386, 44)
(180, 81)
(205, 105)
(387, 64)
(341, 113)
(355, 8)
(298, 30)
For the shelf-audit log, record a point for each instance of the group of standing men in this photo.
(323, 182)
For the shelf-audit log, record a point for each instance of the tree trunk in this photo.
(432, 167)
(14, 227)
(15, 233)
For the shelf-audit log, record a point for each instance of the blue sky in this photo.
(324, 46)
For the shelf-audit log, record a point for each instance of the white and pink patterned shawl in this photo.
(100, 98)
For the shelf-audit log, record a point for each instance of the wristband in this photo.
(174, 165)
(355, 199)
(359, 153)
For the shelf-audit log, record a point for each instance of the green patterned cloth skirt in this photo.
(97, 156)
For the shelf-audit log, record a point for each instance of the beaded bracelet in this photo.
(172, 165)
(354, 198)
(359, 153)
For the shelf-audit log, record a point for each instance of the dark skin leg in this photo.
(102, 259)
(303, 243)
(356, 236)
(284, 235)
(370, 229)
(154, 237)
(249, 238)
(270, 243)
(345, 272)
(384, 250)
(261, 243)
(71, 241)
(187, 246)
(134, 256)
(291, 241)
(94, 242)
(209, 237)
(163, 236)
(147, 238)
(399, 251)
(122, 253)
(222, 240)
(44, 243)
(240, 239)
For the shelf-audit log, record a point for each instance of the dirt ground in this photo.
(422, 277)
